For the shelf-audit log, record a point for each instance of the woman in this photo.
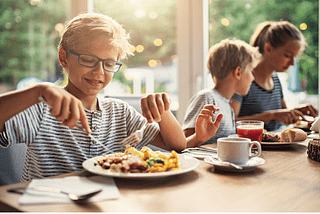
(279, 43)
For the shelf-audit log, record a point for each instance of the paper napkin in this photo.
(315, 126)
(74, 184)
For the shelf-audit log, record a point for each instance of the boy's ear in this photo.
(237, 73)
(63, 58)
(267, 48)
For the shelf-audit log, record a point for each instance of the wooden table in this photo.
(288, 181)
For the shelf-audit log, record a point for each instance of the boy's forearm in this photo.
(192, 141)
(14, 102)
(171, 132)
(265, 117)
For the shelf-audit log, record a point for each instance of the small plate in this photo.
(249, 166)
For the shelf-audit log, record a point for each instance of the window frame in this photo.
(193, 21)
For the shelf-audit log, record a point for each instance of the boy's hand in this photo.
(64, 106)
(154, 106)
(205, 128)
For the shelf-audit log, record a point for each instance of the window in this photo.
(234, 19)
(154, 66)
(29, 39)
(171, 40)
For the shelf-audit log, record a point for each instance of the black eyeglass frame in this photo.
(102, 60)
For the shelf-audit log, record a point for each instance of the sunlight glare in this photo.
(152, 63)
(153, 15)
(140, 13)
(303, 26)
(225, 22)
(139, 48)
(158, 42)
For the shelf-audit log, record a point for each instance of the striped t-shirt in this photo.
(54, 149)
(211, 96)
(259, 100)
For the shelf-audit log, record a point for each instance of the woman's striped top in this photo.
(211, 96)
(259, 100)
(54, 149)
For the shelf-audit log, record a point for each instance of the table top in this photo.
(288, 181)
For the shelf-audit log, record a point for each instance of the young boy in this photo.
(230, 63)
(89, 51)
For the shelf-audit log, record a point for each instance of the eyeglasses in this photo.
(92, 61)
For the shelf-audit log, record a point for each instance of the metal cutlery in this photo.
(42, 99)
(202, 150)
(72, 196)
(228, 163)
(134, 138)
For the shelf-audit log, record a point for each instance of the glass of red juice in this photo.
(251, 129)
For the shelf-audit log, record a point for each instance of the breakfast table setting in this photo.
(210, 178)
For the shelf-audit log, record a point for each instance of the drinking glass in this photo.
(251, 129)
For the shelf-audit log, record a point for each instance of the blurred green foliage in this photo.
(245, 15)
(28, 39)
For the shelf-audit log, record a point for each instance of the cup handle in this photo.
(259, 149)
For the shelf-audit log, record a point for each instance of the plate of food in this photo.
(141, 164)
(305, 125)
(284, 138)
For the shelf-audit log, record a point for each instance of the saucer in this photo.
(248, 166)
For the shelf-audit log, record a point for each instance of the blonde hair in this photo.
(227, 55)
(86, 28)
(277, 34)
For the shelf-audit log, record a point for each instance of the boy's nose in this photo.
(99, 68)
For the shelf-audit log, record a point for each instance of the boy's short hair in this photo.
(227, 55)
(89, 27)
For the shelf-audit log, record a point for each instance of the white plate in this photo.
(281, 143)
(187, 164)
(250, 165)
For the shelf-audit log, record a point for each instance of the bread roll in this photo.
(293, 135)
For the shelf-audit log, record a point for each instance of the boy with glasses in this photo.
(89, 51)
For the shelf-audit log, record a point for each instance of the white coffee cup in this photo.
(236, 150)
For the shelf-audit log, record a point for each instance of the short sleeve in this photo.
(237, 97)
(195, 106)
(23, 127)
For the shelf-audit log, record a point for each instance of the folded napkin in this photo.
(74, 184)
(315, 126)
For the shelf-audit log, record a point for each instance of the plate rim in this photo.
(98, 171)
(245, 167)
(274, 143)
